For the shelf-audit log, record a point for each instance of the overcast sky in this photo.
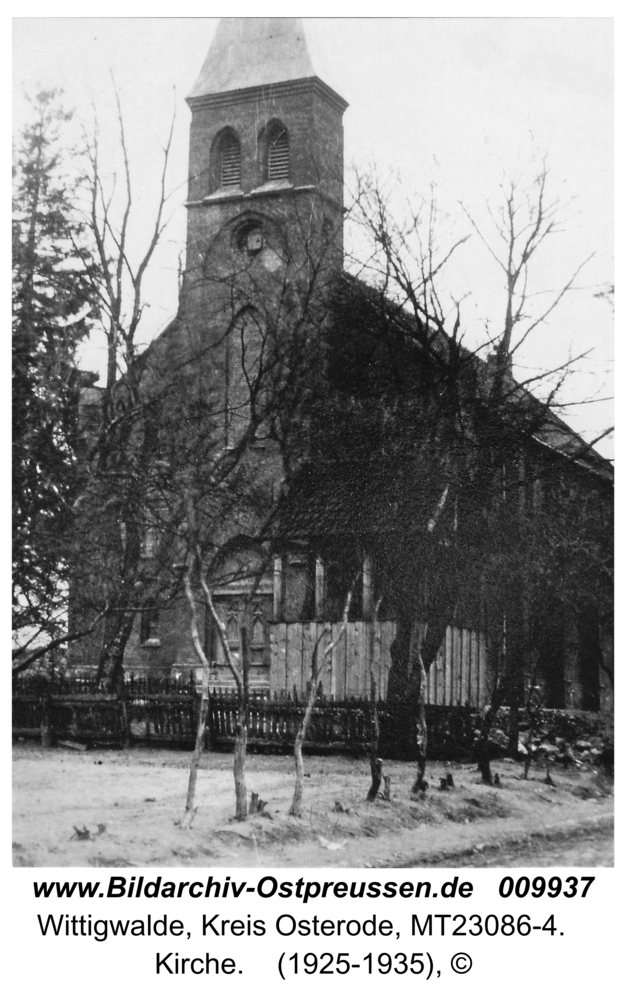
(460, 102)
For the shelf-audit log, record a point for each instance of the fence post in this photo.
(208, 722)
(208, 734)
(46, 735)
(126, 735)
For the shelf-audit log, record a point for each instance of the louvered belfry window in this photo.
(278, 155)
(230, 162)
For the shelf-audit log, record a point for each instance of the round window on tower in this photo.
(250, 239)
(254, 241)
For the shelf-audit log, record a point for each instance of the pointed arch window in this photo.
(258, 639)
(230, 161)
(232, 629)
(232, 613)
(278, 153)
(244, 375)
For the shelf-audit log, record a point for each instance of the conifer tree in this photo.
(54, 308)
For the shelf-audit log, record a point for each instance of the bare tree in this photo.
(239, 671)
(120, 457)
(121, 290)
(473, 427)
(317, 666)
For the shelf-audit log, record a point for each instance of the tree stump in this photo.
(377, 772)
(257, 805)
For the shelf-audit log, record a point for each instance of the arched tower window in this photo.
(245, 363)
(230, 161)
(277, 152)
(226, 161)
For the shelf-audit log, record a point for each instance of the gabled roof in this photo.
(254, 52)
(559, 437)
(356, 498)
(371, 307)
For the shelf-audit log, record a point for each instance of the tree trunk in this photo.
(534, 704)
(376, 764)
(420, 785)
(482, 748)
(190, 809)
(519, 646)
(398, 677)
(502, 659)
(297, 799)
(111, 664)
(376, 771)
(483, 743)
(198, 748)
(46, 729)
(316, 670)
(239, 765)
(124, 723)
(411, 660)
(241, 681)
(118, 624)
(433, 639)
(241, 734)
(513, 734)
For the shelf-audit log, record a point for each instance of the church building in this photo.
(333, 506)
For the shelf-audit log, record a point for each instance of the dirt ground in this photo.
(131, 803)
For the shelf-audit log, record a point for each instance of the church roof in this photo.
(356, 498)
(254, 52)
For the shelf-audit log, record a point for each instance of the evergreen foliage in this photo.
(54, 308)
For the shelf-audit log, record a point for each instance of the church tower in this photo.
(266, 150)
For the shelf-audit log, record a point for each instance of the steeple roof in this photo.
(254, 52)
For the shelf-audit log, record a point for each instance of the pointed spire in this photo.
(254, 52)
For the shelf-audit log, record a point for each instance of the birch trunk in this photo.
(241, 736)
(316, 670)
(295, 808)
(190, 809)
(241, 683)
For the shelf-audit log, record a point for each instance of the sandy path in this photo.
(139, 796)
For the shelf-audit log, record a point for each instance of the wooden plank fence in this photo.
(458, 677)
(165, 711)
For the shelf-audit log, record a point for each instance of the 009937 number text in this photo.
(540, 886)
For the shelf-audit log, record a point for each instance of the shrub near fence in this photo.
(162, 710)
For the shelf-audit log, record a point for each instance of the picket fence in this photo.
(161, 710)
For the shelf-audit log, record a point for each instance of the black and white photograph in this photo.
(312, 446)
